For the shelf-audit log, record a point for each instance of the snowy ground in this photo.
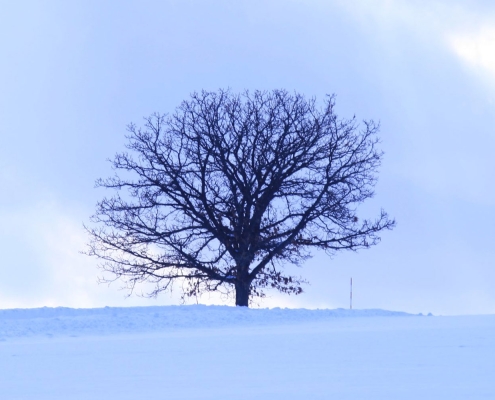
(199, 352)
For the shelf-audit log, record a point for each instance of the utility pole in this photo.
(351, 296)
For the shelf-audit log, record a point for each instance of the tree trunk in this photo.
(242, 291)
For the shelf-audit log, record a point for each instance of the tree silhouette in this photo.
(228, 189)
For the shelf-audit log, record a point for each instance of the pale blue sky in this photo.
(74, 73)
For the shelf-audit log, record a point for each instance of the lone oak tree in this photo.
(230, 188)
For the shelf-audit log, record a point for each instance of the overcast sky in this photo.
(74, 73)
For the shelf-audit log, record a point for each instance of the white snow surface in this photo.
(215, 352)
(62, 321)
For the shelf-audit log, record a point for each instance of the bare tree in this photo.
(230, 188)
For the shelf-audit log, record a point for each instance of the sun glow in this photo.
(476, 49)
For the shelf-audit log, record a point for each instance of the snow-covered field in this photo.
(200, 352)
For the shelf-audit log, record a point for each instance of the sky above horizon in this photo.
(74, 74)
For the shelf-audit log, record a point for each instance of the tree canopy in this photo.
(230, 188)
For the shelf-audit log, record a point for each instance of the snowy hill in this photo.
(212, 352)
(61, 321)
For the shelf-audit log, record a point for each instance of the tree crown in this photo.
(226, 190)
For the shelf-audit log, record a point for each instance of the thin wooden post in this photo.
(351, 295)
